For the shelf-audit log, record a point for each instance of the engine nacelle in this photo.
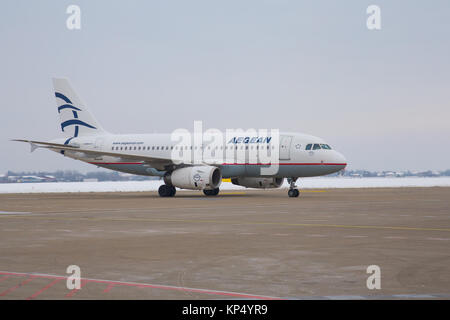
(259, 183)
(195, 178)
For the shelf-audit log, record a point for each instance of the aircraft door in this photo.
(99, 143)
(285, 147)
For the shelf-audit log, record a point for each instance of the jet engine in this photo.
(259, 183)
(195, 178)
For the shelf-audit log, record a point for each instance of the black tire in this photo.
(166, 191)
(293, 193)
(213, 192)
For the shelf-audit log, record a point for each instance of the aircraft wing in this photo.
(158, 163)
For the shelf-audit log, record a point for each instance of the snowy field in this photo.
(137, 186)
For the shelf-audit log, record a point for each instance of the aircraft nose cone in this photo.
(340, 159)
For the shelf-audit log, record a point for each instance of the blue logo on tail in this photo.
(73, 122)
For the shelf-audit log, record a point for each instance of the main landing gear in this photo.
(169, 191)
(213, 192)
(166, 191)
(293, 191)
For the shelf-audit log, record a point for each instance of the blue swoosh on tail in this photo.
(75, 122)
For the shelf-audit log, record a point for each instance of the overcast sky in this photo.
(382, 98)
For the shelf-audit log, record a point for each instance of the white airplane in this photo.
(297, 155)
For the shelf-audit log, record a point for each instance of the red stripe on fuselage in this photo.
(284, 164)
(241, 164)
(115, 162)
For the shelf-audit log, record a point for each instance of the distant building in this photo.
(30, 179)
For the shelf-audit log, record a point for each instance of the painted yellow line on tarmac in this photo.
(341, 226)
(296, 224)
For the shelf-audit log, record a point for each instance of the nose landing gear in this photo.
(293, 191)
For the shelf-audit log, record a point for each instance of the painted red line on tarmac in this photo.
(44, 288)
(142, 285)
(4, 293)
(82, 284)
(184, 289)
(4, 278)
(108, 288)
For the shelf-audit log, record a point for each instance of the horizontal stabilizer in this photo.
(40, 144)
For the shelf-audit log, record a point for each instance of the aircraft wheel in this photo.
(166, 191)
(213, 192)
(293, 193)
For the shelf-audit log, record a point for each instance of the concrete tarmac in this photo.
(241, 244)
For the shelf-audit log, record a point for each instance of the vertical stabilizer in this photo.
(76, 120)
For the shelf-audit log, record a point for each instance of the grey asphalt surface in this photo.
(241, 244)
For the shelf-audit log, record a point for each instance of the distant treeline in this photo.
(366, 173)
(73, 176)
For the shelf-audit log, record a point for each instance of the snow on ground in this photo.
(152, 185)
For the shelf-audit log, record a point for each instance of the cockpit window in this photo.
(317, 146)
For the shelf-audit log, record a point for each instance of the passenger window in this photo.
(308, 146)
(316, 146)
